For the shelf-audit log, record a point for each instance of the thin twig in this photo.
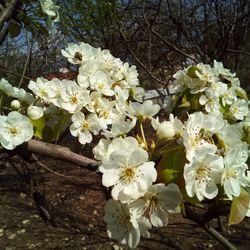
(173, 46)
(50, 170)
(26, 62)
(14, 73)
(219, 237)
(238, 51)
(137, 59)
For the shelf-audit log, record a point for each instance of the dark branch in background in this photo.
(136, 58)
(173, 46)
(26, 62)
(14, 73)
(203, 219)
(238, 51)
(6, 13)
(4, 32)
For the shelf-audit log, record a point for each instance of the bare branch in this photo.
(137, 59)
(49, 169)
(14, 73)
(7, 12)
(238, 51)
(173, 46)
(26, 62)
(219, 237)
(57, 152)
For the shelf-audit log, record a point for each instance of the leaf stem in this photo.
(143, 136)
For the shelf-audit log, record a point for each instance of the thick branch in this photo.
(203, 219)
(4, 32)
(57, 152)
(7, 12)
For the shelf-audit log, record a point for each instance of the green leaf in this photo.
(58, 128)
(14, 29)
(191, 72)
(239, 208)
(38, 125)
(184, 102)
(241, 93)
(170, 167)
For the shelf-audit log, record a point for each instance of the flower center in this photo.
(73, 100)
(201, 172)
(231, 173)
(85, 126)
(78, 56)
(152, 202)
(105, 114)
(128, 174)
(43, 93)
(100, 86)
(14, 131)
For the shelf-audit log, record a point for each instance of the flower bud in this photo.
(15, 105)
(165, 130)
(34, 112)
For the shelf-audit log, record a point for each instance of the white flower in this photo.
(15, 105)
(50, 8)
(220, 70)
(239, 109)
(130, 75)
(156, 203)
(15, 129)
(164, 130)
(122, 126)
(40, 88)
(143, 110)
(6, 87)
(202, 174)
(137, 93)
(107, 112)
(73, 97)
(234, 170)
(78, 53)
(105, 147)
(193, 137)
(229, 97)
(85, 71)
(34, 112)
(124, 225)
(129, 172)
(102, 83)
(83, 127)
(211, 101)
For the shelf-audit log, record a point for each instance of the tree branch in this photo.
(6, 13)
(238, 51)
(14, 73)
(137, 59)
(57, 152)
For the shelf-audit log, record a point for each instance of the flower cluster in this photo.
(203, 156)
(215, 90)
(137, 203)
(214, 137)
(98, 99)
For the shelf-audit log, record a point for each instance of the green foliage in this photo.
(89, 21)
(239, 207)
(39, 126)
(170, 167)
